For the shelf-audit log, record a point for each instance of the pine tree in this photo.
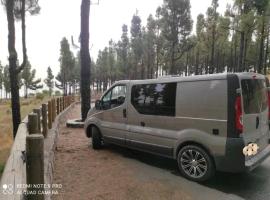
(6, 81)
(176, 27)
(67, 64)
(28, 79)
(49, 81)
(122, 54)
(136, 46)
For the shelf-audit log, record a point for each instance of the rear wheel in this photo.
(195, 164)
(96, 138)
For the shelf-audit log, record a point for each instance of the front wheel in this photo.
(195, 164)
(96, 139)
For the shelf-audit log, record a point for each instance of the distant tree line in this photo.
(68, 78)
(234, 41)
(26, 81)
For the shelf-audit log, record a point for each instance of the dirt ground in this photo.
(116, 173)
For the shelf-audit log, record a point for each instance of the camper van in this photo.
(203, 122)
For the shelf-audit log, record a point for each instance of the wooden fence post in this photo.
(38, 112)
(44, 120)
(33, 123)
(49, 114)
(53, 110)
(63, 103)
(35, 166)
(58, 106)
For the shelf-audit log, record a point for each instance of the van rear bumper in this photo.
(234, 160)
(258, 159)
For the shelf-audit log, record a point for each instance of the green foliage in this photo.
(46, 92)
(31, 6)
(6, 80)
(40, 96)
(28, 79)
(237, 40)
(122, 53)
(49, 80)
(69, 68)
(136, 45)
(57, 93)
(176, 25)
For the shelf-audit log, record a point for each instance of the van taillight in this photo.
(238, 115)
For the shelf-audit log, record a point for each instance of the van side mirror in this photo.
(98, 104)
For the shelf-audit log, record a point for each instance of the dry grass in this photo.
(6, 138)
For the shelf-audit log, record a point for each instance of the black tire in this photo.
(195, 163)
(96, 138)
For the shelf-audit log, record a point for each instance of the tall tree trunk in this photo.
(142, 70)
(157, 62)
(212, 67)
(245, 53)
(266, 51)
(85, 59)
(217, 62)
(148, 67)
(241, 51)
(172, 68)
(25, 91)
(13, 73)
(197, 62)
(207, 64)
(187, 61)
(261, 54)
(235, 53)
(231, 67)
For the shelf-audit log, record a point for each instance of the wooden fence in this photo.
(25, 165)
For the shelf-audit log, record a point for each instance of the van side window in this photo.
(154, 99)
(114, 97)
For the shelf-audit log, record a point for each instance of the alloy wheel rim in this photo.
(193, 163)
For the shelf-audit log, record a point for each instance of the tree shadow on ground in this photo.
(146, 158)
(252, 185)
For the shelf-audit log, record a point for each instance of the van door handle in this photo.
(257, 122)
(142, 124)
(125, 113)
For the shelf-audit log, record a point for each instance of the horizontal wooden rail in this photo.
(14, 174)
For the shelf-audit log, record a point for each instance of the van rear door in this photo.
(255, 111)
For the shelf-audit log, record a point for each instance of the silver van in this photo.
(204, 122)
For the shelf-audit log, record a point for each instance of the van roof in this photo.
(174, 78)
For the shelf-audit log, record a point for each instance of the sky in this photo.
(61, 18)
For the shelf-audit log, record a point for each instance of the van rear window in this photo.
(254, 95)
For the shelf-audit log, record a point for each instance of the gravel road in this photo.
(117, 173)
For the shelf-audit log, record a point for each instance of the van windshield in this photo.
(254, 95)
